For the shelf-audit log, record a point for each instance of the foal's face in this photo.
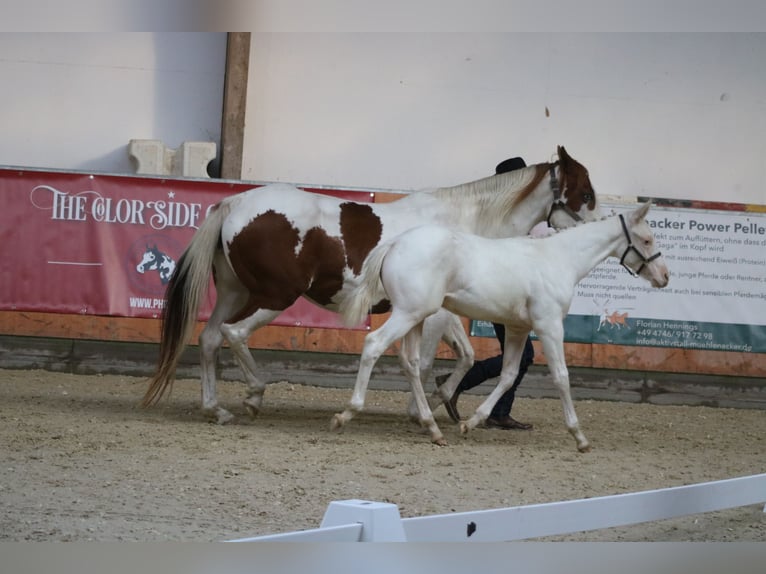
(656, 272)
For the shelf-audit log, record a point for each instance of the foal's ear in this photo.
(640, 212)
(562, 153)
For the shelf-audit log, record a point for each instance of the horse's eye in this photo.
(587, 197)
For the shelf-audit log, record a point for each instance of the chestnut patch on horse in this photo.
(361, 230)
(576, 183)
(269, 247)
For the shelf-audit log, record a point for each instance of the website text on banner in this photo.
(107, 245)
(716, 299)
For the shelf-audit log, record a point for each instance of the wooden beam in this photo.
(234, 104)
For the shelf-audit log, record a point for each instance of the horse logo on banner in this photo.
(611, 319)
(155, 260)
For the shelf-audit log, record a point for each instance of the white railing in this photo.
(365, 521)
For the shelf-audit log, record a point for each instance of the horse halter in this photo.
(558, 203)
(631, 247)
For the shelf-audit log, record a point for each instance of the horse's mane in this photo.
(576, 224)
(497, 195)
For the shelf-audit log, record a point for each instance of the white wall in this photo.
(73, 101)
(665, 115)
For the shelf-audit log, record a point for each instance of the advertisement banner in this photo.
(716, 299)
(107, 245)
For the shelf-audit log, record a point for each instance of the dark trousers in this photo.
(490, 368)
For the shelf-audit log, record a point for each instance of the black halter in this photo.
(631, 247)
(558, 203)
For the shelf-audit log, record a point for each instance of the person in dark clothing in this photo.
(500, 417)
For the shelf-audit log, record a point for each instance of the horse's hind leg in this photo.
(434, 328)
(409, 357)
(375, 344)
(210, 341)
(230, 295)
(449, 328)
(237, 335)
(457, 340)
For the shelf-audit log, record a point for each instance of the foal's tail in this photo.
(369, 291)
(182, 299)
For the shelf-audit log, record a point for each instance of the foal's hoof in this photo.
(464, 427)
(441, 441)
(584, 448)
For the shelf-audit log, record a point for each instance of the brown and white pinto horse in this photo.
(270, 245)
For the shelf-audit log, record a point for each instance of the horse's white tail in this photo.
(183, 295)
(357, 304)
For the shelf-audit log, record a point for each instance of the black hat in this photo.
(510, 165)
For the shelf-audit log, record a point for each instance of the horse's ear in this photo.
(641, 212)
(563, 155)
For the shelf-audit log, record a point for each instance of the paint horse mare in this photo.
(270, 245)
(529, 285)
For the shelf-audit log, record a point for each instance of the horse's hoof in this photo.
(253, 407)
(439, 441)
(252, 411)
(584, 448)
(223, 417)
(336, 423)
(464, 427)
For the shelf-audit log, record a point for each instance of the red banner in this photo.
(107, 244)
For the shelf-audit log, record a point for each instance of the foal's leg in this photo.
(457, 339)
(514, 348)
(237, 335)
(434, 327)
(552, 338)
(449, 328)
(375, 344)
(409, 357)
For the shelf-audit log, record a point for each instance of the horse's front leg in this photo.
(560, 376)
(514, 348)
(409, 357)
(552, 339)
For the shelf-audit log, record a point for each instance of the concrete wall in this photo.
(73, 101)
(665, 115)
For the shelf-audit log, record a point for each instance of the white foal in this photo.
(524, 283)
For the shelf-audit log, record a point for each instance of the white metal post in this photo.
(381, 520)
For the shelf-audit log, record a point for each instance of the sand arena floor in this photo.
(82, 461)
